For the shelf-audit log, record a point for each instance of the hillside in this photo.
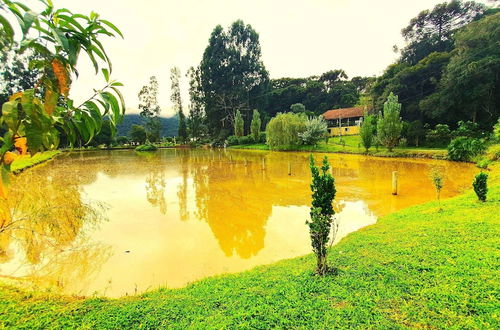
(169, 125)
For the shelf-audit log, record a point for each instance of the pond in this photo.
(114, 223)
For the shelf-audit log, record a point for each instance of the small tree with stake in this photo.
(437, 180)
(323, 193)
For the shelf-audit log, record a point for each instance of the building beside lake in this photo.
(346, 121)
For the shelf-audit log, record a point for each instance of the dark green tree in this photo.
(239, 124)
(232, 75)
(432, 30)
(480, 185)
(138, 134)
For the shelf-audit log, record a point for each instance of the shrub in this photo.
(282, 131)
(323, 193)
(262, 137)
(440, 136)
(468, 129)
(483, 163)
(298, 108)
(245, 139)
(232, 140)
(389, 124)
(316, 130)
(146, 147)
(493, 152)
(465, 149)
(480, 185)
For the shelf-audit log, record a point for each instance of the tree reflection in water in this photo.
(42, 235)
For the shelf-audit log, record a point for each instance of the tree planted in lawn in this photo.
(389, 124)
(322, 221)
(239, 124)
(366, 131)
(480, 185)
(255, 125)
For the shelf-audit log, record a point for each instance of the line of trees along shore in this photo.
(447, 72)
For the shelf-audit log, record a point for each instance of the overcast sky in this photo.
(298, 38)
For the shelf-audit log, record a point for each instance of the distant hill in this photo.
(169, 125)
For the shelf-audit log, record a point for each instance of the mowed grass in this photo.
(352, 144)
(415, 268)
(27, 161)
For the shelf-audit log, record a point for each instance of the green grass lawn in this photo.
(415, 268)
(26, 161)
(353, 146)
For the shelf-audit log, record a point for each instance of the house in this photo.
(344, 121)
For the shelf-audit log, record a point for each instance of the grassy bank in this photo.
(352, 145)
(25, 162)
(415, 268)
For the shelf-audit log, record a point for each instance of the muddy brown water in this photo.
(114, 223)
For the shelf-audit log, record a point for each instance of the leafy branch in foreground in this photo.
(34, 118)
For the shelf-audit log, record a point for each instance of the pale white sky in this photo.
(298, 38)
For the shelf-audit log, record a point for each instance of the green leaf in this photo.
(10, 114)
(105, 72)
(34, 135)
(29, 18)
(112, 26)
(7, 28)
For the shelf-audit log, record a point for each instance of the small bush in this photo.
(316, 130)
(245, 139)
(146, 147)
(493, 152)
(480, 185)
(465, 149)
(440, 136)
(483, 163)
(262, 137)
(232, 140)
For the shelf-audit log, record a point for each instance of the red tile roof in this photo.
(344, 113)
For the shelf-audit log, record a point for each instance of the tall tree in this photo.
(175, 97)
(432, 30)
(389, 124)
(239, 124)
(470, 89)
(150, 109)
(255, 125)
(196, 119)
(232, 75)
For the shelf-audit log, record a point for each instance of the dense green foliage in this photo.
(282, 131)
(169, 126)
(138, 134)
(389, 124)
(416, 268)
(323, 192)
(448, 70)
(465, 149)
(480, 185)
(146, 147)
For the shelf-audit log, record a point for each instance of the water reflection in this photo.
(176, 216)
(45, 218)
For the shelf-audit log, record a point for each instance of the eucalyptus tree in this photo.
(175, 97)
(150, 109)
(196, 118)
(232, 75)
